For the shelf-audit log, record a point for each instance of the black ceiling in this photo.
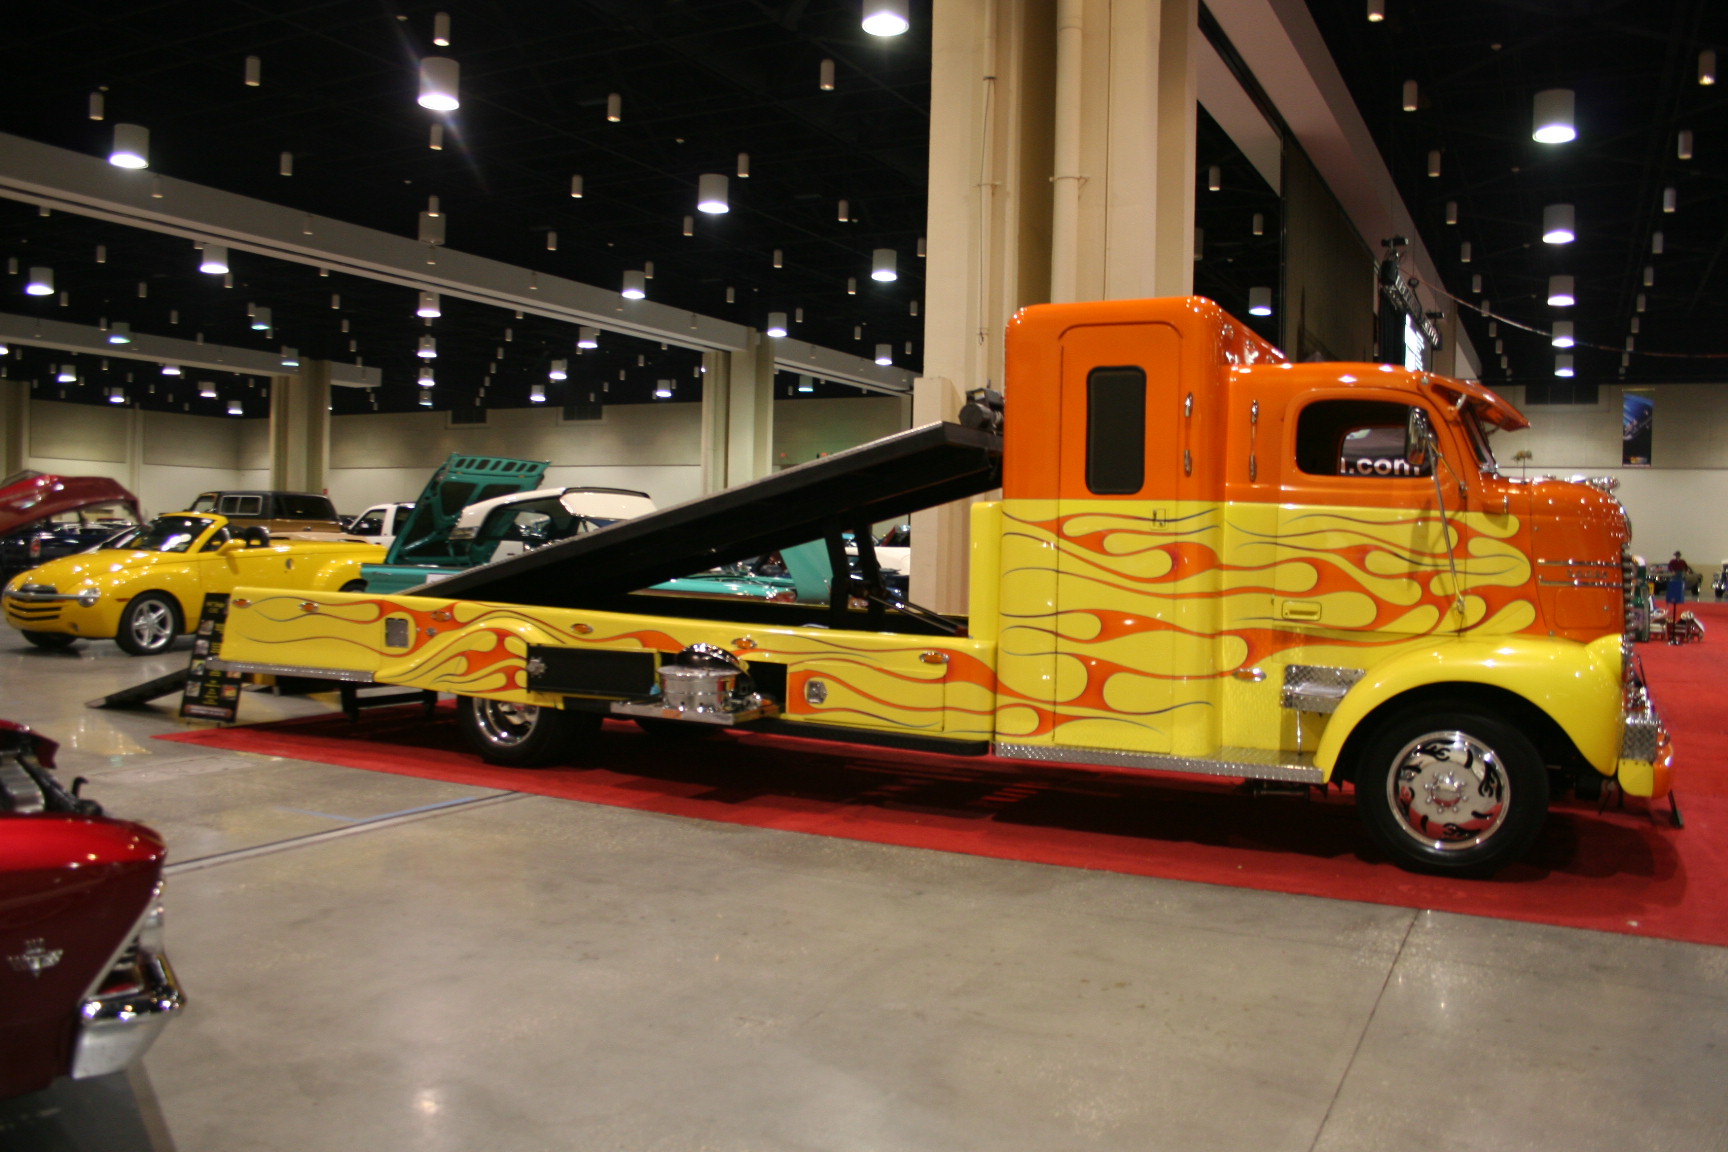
(699, 80)
(703, 80)
(1634, 68)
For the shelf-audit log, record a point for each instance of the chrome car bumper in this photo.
(124, 1012)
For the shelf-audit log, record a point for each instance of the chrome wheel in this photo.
(148, 625)
(1448, 791)
(503, 724)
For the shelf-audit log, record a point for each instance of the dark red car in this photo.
(42, 517)
(84, 983)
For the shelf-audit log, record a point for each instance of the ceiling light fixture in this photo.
(1464, 252)
(587, 337)
(429, 306)
(170, 369)
(40, 282)
(1476, 283)
(97, 109)
(1258, 225)
(214, 260)
(1656, 243)
(440, 77)
(537, 393)
(663, 389)
(882, 262)
(290, 357)
(254, 72)
(1214, 178)
(1670, 200)
(441, 29)
(1559, 224)
(1707, 67)
(1409, 102)
(261, 319)
(425, 397)
(711, 194)
(689, 225)
(885, 17)
(1376, 11)
(1434, 162)
(559, 370)
(825, 76)
(1563, 364)
(235, 408)
(1563, 335)
(776, 324)
(428, 348)
(614, 107)
(575, 187)
(1554, 117)
(207, 390)
(119, 332)
(1259, 301)
(436, 141)
(116, 396)
(68, 374)
(425, 378)
(1683, 144)
(635, 285)
(885, 354)
(1639, 302)
(1562, 291)
(743, 165)
(131, 146)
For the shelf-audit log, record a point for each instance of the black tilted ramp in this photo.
(884, 479)
(143, 693)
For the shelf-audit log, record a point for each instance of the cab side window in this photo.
(1115, 431)
(1358, 438)
(217, 539)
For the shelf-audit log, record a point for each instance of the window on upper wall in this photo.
(1115, 431)
(1360, 438)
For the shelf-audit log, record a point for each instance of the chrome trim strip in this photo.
(1544, 582)
(291, 670)
(1615, 564)
(1251, 763)
(30, 596)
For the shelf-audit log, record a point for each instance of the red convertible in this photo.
(84, 983)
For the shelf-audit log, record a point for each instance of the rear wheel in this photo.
(51, 640)
(521, 735)
(1451, 790)
(353, 586)
(149, 624)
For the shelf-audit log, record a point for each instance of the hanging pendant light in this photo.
(439, 79)
(559, 370)
(1554, 117)
(537, 393)
(131, 146)
(214, 260)
(711, 194)
(290, 357)
(260, 319)
(1464, 252)
(614, 107)
(1670, 200)
(1214, 178)
(587, 337)
(1562, 291)
(119, 332)
(116, 396)
(1259, 301)
(1563, 335)
(885, 354)
(1559, 224)
(776, 324)
(424, 377)
(663, 389)
(1707, 67)
(1434, 162)
(1376, 11)
(882, 262)
(1683, 144)
(441, 29)
(170, 369)
(825, 76)
(428, 348)
(635, 285)
(1409, 102)
(235, 408)
(1563, 364)
(429, 306)
(68, 374)
(425, 397)
(743, 165)
(40, 282)
(885, 17)
(1258, 225)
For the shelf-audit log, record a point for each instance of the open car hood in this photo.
(36, 496)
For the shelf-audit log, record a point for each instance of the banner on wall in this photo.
(1636, 412)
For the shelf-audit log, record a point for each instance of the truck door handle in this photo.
(1299, 610)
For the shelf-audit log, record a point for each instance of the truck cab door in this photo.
(1118, 653)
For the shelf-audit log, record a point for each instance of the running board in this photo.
(1248, 763)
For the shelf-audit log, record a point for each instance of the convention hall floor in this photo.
(383, 963)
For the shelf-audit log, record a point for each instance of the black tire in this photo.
(1450, 790)
(677, 731)
(149, 625)
(521, 735)
(353, 586)
(52, 641)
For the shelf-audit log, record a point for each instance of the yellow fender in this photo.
(1577, 685)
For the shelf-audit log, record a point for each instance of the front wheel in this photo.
(148, 625)
(1449, 790)
(521, 735)
(353, 586)
(51, 640)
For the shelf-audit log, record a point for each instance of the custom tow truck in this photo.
(1204, 559)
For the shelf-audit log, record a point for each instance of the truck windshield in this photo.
(1479, 443)
(169, 534)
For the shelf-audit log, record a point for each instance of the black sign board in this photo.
(210, 694)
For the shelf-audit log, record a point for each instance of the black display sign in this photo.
(210, 694)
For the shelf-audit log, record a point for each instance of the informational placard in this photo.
(1637, 415)
(210, 694)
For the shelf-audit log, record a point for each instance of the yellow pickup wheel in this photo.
(149, 624)
(521, 735)
(1451, 790)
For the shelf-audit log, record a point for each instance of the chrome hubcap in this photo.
(505, 725)
(152, 625)
(1448, 791)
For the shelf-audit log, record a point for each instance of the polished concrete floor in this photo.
(382, 963)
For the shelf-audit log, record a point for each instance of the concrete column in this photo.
(300, 428)
(14, 426)
(716, 405)
(749, 413)
(1062, 137)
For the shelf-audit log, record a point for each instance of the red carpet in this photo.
(1619, 871)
